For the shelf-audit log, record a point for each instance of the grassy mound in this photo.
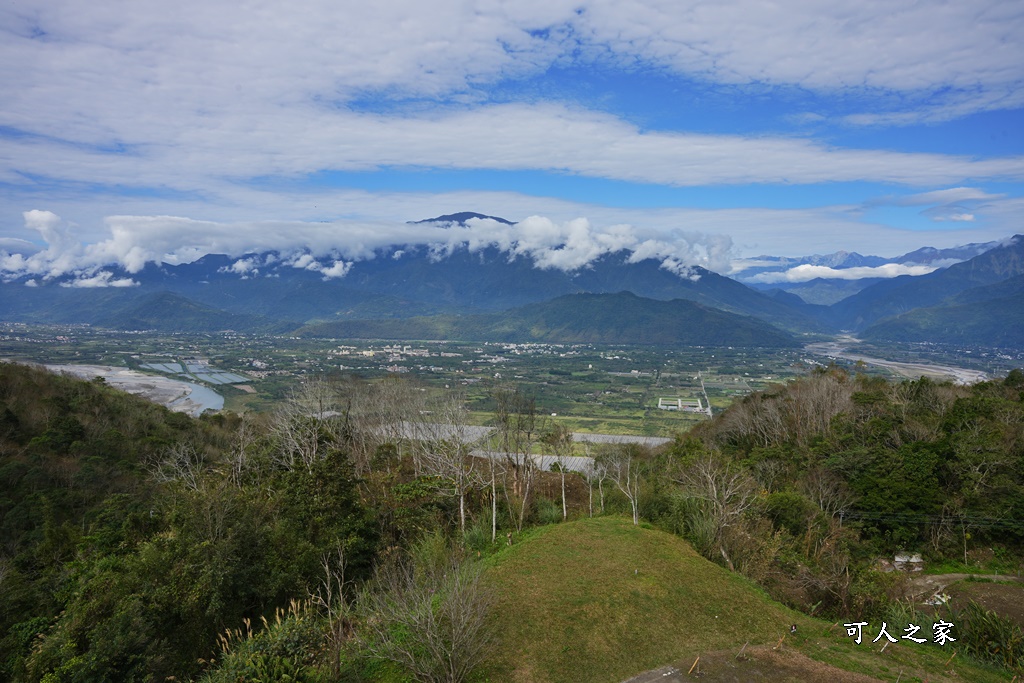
(601, 600)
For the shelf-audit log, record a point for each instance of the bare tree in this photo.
(180, 462)
(429, 619)
(517, 428)
(444, 449)
(798, 413)
(623, 468)
(724, 491)
(387, 413)
(827, 491)
(594, 472)
(242, 456)
(306, 424)
(560, 441)
(815, 401)
(495, 467)
(332, 599)
(598, 471)
(769, 471)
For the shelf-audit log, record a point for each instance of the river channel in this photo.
(838, 349)
(182, 397)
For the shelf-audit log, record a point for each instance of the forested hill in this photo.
(622, 318)
(902, 460)
(905, 293)
(134, 536)
(990, 315)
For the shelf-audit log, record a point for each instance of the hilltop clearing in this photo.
(602, 600)
(614, 599)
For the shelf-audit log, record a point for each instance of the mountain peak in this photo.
(462, 217)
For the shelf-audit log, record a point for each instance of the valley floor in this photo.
(838, 350)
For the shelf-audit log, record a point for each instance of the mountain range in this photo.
(412, 292)
(767, 272)
(936, 290)
(622, 318)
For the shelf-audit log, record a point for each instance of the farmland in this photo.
(588, 387)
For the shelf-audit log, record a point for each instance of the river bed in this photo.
(837, 349)
(179, 396)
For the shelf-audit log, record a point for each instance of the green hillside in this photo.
(622, 318)
(613, 600)
(601, 600)
(134, 537)
(169, 312)
(902, 294)
(995, 322)
(990, 315)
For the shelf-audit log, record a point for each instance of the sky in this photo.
(695, 132)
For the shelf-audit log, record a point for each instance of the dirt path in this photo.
(760, 663)
(924, 586)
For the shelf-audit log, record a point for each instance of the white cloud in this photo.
(101, 279)
(336, 270)
(546, 137)
(949, 213)
(21, 247)
(133, 240)
(242, 266)
(198, 95)
(192, 101)
(61, 255)
(947, 196)
(200, 57)
(806, 272)
(739, 265)
(956, 204)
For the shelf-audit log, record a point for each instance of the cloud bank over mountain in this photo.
(330, 248)
(808, 272)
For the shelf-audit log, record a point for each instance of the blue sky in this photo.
(134, 131)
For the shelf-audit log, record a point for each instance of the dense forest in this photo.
(338, 538)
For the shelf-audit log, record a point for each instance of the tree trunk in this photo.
(494, 508)
(565, 513)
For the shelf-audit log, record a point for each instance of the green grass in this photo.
(602, 600)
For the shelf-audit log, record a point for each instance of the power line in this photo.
(914, 518)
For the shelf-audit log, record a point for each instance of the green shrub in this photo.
(990, 637)
(478, 535)
(286, 649)
(548, 511)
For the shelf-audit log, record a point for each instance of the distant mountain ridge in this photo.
(169, 312)
(841, 260)
(826, 291)
(621, 318)
(271, 291)
(408, 282)
(989, 315)
(903, 294)
(926, 255)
